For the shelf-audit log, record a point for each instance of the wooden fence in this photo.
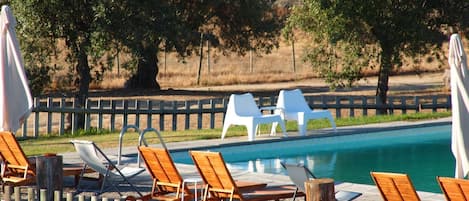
(29, 194)
(58, 115)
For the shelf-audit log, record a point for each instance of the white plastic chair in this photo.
(291, 105)
(88, 152)
(242, 110)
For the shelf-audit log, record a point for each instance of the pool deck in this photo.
(369, 192)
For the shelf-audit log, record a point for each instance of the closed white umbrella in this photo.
(460, 105)
(15, 98)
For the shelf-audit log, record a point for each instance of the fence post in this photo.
(62, 117)
(435, 103)
(338, 107)
(49, 174)
(187, 107)
(16, 193)
(100, 115)
(352, 105)
(31, 194)
(404, 104)
(113, 115)
(42, 195)
(149, 115)
(87, 114)
(57, 195)
(225, 104)
(25, 128)
(50, 105)
(162, 111)
(273, 101)
(37, 103)
(125, 117)
(174, 116)
(212, 113)
(7, 193)
(69, 196)
(137, 113)
(448, 103)
(74, 116)
(364, 106)
(417, 102)
(391, 105)
(199, 114)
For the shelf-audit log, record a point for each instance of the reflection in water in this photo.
(423, 162)
(321, 163)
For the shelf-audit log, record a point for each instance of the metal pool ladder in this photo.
(121, 136)
(141, 140)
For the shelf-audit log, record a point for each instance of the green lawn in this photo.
(62, 144)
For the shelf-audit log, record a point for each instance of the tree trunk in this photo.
(83, 70)
(383, 79)
(147, 68)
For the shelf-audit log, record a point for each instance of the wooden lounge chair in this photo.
(19, 170)
(167, 182)
(454, 189)
(395, 186)
(220, 184)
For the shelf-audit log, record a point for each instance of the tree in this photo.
(235, 26)
(45, 24)
(382, 30)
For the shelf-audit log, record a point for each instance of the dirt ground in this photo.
(411, 84)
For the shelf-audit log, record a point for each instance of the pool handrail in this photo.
(141, 140)
(121, 136)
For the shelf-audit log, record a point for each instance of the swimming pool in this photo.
(422, 152)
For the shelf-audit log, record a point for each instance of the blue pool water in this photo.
(423, 153)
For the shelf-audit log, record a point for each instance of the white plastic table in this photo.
(195, 181)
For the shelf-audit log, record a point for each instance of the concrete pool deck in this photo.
(369, 192)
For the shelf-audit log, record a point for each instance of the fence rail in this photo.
(59, 115)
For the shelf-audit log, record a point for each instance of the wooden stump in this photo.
(49, 174)
(320, 190)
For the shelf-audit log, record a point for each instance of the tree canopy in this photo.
(379, 31)
(231, 26)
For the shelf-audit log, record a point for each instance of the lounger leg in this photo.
(205, 193)
(273, 131)
(225, 129)
(302, 123)
(251, 131)
(294, 194)
(329, 116)
(284, 130)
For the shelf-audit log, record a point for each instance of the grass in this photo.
(61, 144)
